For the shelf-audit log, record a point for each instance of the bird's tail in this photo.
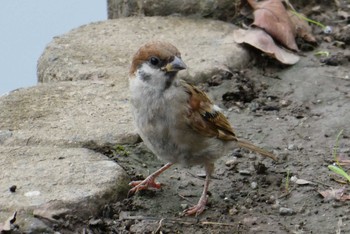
(252, 147)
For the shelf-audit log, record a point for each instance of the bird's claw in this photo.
(197, 209)
(139, 185)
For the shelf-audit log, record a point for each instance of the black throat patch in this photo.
(144, 76)
(170, 76)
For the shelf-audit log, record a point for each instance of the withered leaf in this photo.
(302, 28)
(335, 194)
(261, 40)
(272, 16)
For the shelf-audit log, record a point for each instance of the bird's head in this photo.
(157, 63)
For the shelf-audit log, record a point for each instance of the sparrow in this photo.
(176, 120)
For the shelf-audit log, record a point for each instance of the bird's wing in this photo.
(206, 118)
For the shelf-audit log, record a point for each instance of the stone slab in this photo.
(52, 181)
(70, 114)
(104, 50)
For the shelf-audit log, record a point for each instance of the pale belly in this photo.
(183, 145)
(163, 128)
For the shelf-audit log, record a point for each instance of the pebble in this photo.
(286, 211)
(260, 168)
(231, 162)
(95, 222)
(184, 206)
(253, 185)
(271, 200)
(275, 206)
(292, 147)
(233, 211)
(244, 172)
(250, 220)
(252, 157)
(285, 103)
(13, 188)
(237, 153)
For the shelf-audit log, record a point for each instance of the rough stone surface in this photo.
(104, 50)
(67, 114)
(41, 130)
(52, 181)
(216, 9)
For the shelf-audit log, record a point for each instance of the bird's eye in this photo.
(154, 61)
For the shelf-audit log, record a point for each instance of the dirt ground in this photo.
(296, 111)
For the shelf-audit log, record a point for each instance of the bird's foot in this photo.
(147, 183)
(197, 209)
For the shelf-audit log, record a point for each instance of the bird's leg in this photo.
(149, 182)
(199, 208)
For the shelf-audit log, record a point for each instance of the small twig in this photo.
(286, 194)
(174, 220)
(196, 176)
(186, 199)
(336, 147)
(287, 182)
(202, 176)
(217, 223)
(126, 216)
(339, 224)
(308, 20)
(27, 142)
(321, 183)
(159, 226)
(339, 77)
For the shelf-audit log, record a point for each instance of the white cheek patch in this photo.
(150, 76)
(147, 70)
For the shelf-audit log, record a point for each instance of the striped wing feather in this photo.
(204, 118)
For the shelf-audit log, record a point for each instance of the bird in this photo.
(177, 121)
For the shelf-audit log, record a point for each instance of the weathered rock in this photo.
(104, 50)
(216, 9)
(40, 130)
(69, 114)
(53, 181)
(286, 211)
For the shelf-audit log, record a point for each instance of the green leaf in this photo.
(322, 53)
(339, 171)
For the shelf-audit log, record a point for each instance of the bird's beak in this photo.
(176, 65)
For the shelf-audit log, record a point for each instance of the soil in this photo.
(296, 111)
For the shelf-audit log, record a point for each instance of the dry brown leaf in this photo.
(335, 194)
(343, 162)
(343, 14)
(345, 197)
(272, 16)
(259, 39)
(302, 28)
(338, 179)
